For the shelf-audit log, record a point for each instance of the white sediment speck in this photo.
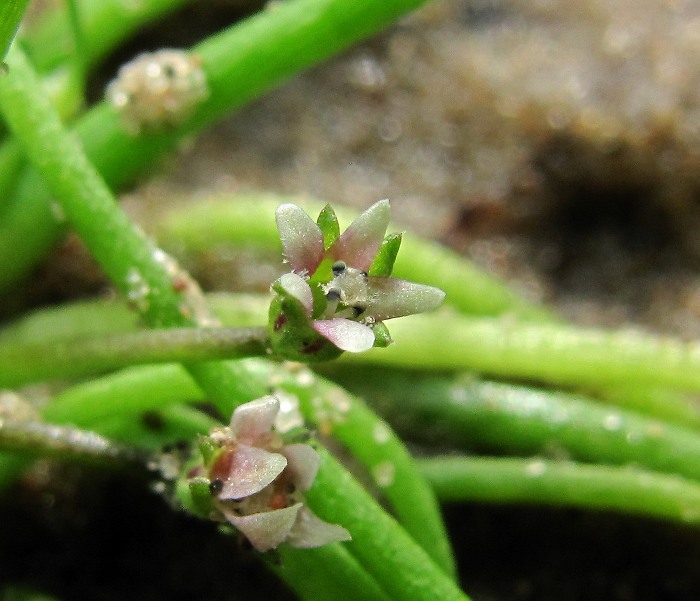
(383, 473)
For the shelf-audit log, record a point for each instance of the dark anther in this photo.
(169, 71)
(364, 274)
(358, 310)
(339, 267)
(216, 486)
(333, 294)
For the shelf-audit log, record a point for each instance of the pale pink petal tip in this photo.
(360, 242)
(301, 238)
(296, 286)
(266, 530)
(310, 531)
(254, 419)
(303, 463)
(395, 298)
(347, 335)
(252, 469)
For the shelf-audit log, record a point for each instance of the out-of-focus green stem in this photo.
(240, 63)
(21, 364)
(487, 416)
(564, 484)
(104, 24)
(551, 352)
(249, 220)
(11, 12)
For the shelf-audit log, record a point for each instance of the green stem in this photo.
(382, 547)
(564, 484)
(241, 63)
(79, 357)
(105, 24)
(11, 12)
(341, 578)
(488, 416)
(551, 352)
(64, 442)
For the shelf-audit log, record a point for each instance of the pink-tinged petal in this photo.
(251, 469)
(254, 419)
(359, 244)
(302, 464)
(296, 286)
(311, 531)
(266, 530)
(345, 334)
(389, 298)
(302, 239)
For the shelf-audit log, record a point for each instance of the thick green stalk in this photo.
(542, 352)
(240, 63)
(11, 12)
(21, 364)
(564, 484)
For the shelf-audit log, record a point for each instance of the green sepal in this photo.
(328, 223)
(382, 337)
(208, 448)
(383, 263)
(200, 494)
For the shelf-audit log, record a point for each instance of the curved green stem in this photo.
(564, 484)
(22, 364)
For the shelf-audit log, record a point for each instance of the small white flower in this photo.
(261, 481)
(355, 301)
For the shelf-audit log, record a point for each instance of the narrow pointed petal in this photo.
(296, 286)
(302, 239)
(254, 419)
(390, 297)
(347, 335)
(302, 463)
(311, 531)
(359, 244)
(266, 530)
(251, 469)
